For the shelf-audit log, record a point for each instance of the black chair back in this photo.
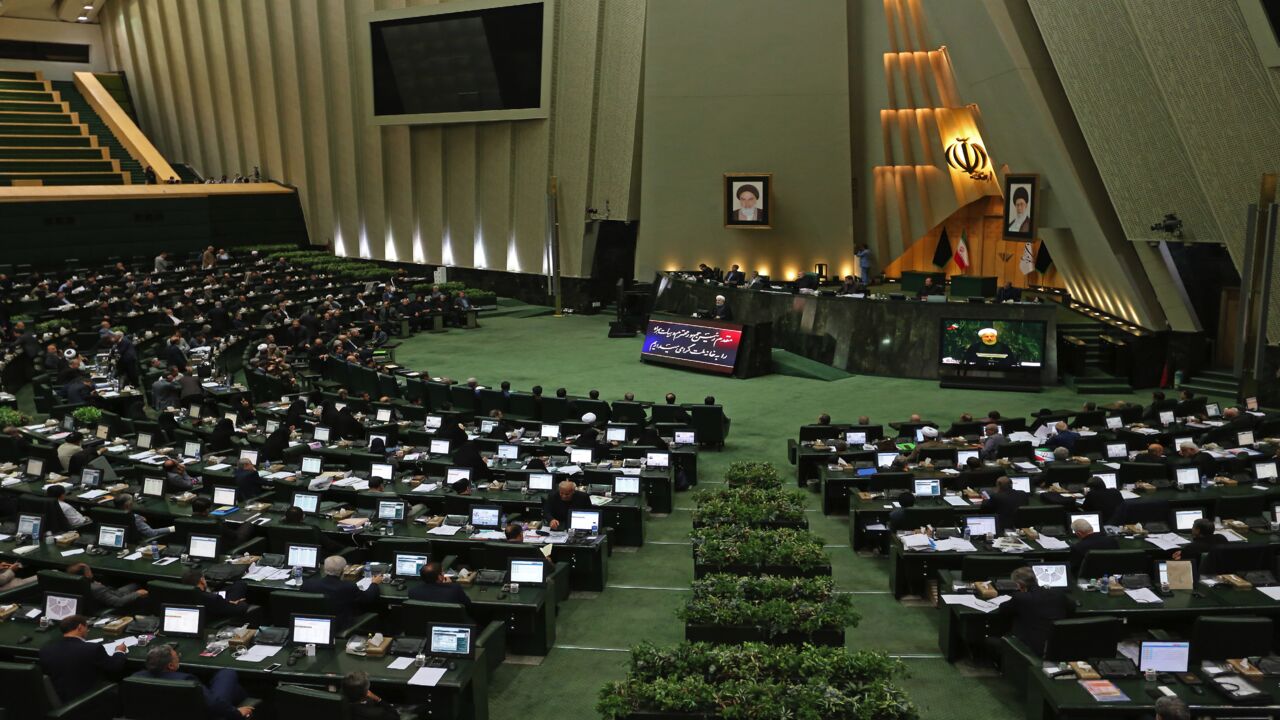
(294, 701)
(1015, 450)
(988, 567)
(1238, 507)
(1114, 562)
(145, 698)
(625, 411)
(1236, 558)
(1039, 516)
(1219, 638)
(1083, 638)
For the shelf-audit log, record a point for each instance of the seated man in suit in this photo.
(249, 484)
(1101, 499)
(930, 441)
(345, 599)
(991, 441)
(74, 666)
(438, 587)
(1203, 539)
(721, 310)
(1154, 454)
(929, 289)
(557, 507)
(1004, 502)
(361, 703)
(216, 606)
(1063, 437)
(1008, 293)
(1087, 539)
(1191, 454)
(1033, 609)
(222, 696)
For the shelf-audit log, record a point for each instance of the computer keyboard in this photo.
(491, 577)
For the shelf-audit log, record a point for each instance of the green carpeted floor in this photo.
(646, 586)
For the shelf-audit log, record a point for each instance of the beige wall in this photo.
(230, 84)
(59, 32)
(746, 86)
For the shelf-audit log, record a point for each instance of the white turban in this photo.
(929, 431)
(589, 418)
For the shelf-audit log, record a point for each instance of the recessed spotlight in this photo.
(82, 18)
(88, 7)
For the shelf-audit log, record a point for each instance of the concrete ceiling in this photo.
(51, 10)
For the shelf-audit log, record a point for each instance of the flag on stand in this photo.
(942, 255)
(1043, 261)
(1028, 261)
(962, 253)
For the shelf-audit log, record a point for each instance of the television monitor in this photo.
(58, 606)
(991, 344)
(307, 502)
(1162, 573)
(919, 435)
(580, 456)
(685, 437)
(69, 423)
(454, 474)
(962, 456)
(449, 640)
(707, 345)
(509, 452)
(1212, 410)
(439, 447)
(383, 438)
(1251, 403)
(1178, 442)
(144, 440)
(1022, 483)
(194, 410)
(1187, 477)
(153, 487)
(410, 564)
(1115, 422)
(585, 520)
(383, 415)
(35, 467)
(390, 510)
(320, 434)
(111, 536)
(615, 434)
(433, 422)
(30, 525)
(979, 525)
(204, 547)
(1166, 417)
(885, 459)
(224, 495)
(312, 465)
(191, 449)
(182, 621)
(486, 516)
(1044, 454)
(1244, 438)
(441, 64)
(855, 437)
(250, 455)
(1183, 519)
(339, 406)
(626, 485)
(272, 426)
(1265, 470)
(1117, 450)
(656, 459)
(312, 630)
(549, 431)
(1051, 575)
(90, 477)
(102, 432)
(526, 572)
(382, 471)
(1092, 518)
(303, 556)
(927, 487)
(1164, 656)
(232, 418)
(487, 426)
(1108, 479)
(541, 481)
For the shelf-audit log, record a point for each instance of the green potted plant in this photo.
(736, 608)
(11, 417)
(86, 415)
(752, 473)
(749, 551)
(750, 505)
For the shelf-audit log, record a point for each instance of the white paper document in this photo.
(916, 540)
(955, 544)
(427, 677)
(1167, 541)
(954, 500)
(1272, 592)
(400, 663)
(1052, 543)
(1143, 595)
(446, 530)
(258, 653)
(970, 602)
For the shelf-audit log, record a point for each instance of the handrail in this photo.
(135, 142)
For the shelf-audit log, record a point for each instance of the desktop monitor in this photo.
(1115, 422)
(626, 485)
(509, 452)
(383, 415)
(1051, 575)
(1162, 571)
(450, 640)
(191, 449)
(454, 474)
(439, 447)
(320, 434)
(586, 520)
(272, 426)
(35, 467)
(1022, 483)
(1212, 410)
(311, 465)
(30, 525)
(1183, 519)
(1108, 479)
(383, 438)
(339, 406)
(685, 437)
(885, 459)
(656, 459)
(182, 620)
(233, 418)
(250, 455)
(224, 495)
(90, 477)
(1166, 417)
(1092, 518)
(549, 431)
(1244, 438)
(410, 564)
(58, 606)
(1187, 476)
(144, 440)
(919, 435)
(381, 470)
(69, 423)
(1178, 442)
(979, 525)
(111, 536)
(153, 487)
(855, 437)
(1265, 470)
(580, 456)
(616, 434)
(927, 487)
(1043, 454)
(390, 510)
(541, 481)
(962, 456)
(1164, 656)
(312, 630)
(1117, 450)
(204, 547)
(1251, 403)
(102, 432)
(526, 572)
(433, 422)
(193, 411)
(486, 516)
(307, 502)
(303, 556)
(487, 426)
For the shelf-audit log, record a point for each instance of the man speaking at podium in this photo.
(988, 351)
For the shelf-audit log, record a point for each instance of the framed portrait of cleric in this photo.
(748, 201)
(1020, 206)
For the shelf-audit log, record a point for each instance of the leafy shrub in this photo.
(722, 545)
(51, 326)
(10, 417)
(752, 473)
(482, 297)
(776, 604)
(87, 415)
(748, 505)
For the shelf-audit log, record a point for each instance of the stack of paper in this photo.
(1143, 596)
(956, 544)
(1051, 543)
(444, 530)
(1167, 541)
(915, 541)
(258, 653)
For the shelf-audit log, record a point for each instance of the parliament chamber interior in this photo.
(639, 360)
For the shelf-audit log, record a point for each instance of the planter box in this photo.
(658, 715)
(700, 571)
(734, 634)
(801, 524)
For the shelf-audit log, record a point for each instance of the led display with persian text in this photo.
(699, 344)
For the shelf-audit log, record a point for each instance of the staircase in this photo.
(1094, 380)
(43, 141)
(1214, 383)
(106, 138)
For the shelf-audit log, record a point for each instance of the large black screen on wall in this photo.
(479, 60)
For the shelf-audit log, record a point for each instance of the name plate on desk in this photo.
(706, 345)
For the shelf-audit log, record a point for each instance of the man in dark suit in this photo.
(222, 696)
(1008, 292)
(721, 310)
(438, 587)
(173, 355)
(1154, 454)
(1087, 539)
(1033, 609)
(1203, 539)
(361, 703)
(1063, 437)
(75, 666)
(1101, 499)
(991, 441)
(249, 484)
(1004, 502)
(590, 436)
(345, 598)
(1191, 454)
(558, 506)
(216, 606)
(734, 277)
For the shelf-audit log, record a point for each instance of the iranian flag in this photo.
(962, 253)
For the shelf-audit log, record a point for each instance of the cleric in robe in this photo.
(988, 351)
(749, 208)
(1021, 220)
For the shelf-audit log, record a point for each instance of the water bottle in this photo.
(368, 571)
(297, 576)
(155, 550)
